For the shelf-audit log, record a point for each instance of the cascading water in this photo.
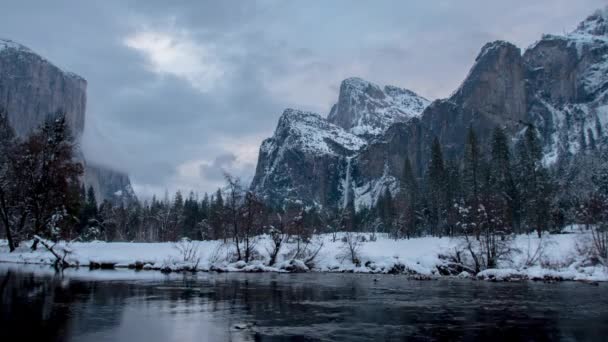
(346, 186)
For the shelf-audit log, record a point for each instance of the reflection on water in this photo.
(147, 306)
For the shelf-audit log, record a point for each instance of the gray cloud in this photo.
(216, 170)
(181, 90)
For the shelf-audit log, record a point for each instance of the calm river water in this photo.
(83, 305)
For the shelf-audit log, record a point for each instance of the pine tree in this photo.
(91, 201)
(472, 161)
(437, 187)
(409, 194)
(386, 209)
(534, 182)
(191, 216)
(217, 216)
(501, 178)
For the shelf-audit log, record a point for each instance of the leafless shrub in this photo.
(350, 248)
(307, 251)
(188, 249)
(589, 246)
(220, 253)
(534, 253)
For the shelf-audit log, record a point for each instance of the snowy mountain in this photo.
(310, 158)
(569, 96)
(304, 159)
(559, 85)
(32, 88)
(367, 110)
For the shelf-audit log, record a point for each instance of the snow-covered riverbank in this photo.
(558, 259)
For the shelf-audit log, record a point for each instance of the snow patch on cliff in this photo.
(311, 133)
(366, 109)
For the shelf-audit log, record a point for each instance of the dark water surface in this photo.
(83, 305)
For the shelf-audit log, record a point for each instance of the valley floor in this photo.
(559, 257)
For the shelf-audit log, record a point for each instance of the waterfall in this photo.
(347, 182)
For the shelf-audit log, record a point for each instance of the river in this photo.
(81, 305)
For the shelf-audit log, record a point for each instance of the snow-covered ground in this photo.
(560, 258)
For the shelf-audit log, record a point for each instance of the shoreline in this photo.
(489, 275)
(423, 258)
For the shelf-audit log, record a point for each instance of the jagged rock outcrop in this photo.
(32, 88)
(304, 159)
(312, 159)
(569, 84)
(368, 110)
(559, 85)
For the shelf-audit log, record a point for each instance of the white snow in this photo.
(367, 194)
(311, 133)
(594, 78)
(375, 109)
(308, 133)
(9, 44)
(560, 259)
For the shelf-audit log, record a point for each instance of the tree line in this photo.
(488, 194)
(508, 185)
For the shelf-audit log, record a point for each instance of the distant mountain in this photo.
(32, 88)
(559, 85)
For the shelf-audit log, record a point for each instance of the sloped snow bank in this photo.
(557, 259)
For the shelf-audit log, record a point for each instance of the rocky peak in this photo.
(367, 110)
(312, 133)
(495, 85)
(304, 160)
(596, 24)
(6, 44)
(559, 85)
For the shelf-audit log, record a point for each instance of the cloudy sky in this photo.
(181, 90)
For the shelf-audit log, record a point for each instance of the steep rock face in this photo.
(559, 86)
(367, 110)
(495, 87)
(32, 88)
(493, 94)
(379, 165)
(569, 84)
(304, 160)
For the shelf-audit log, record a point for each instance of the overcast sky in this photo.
(180, 90)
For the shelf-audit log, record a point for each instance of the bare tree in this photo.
(233, 203)
(484, 236)
(252, 213)
(279, 234)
